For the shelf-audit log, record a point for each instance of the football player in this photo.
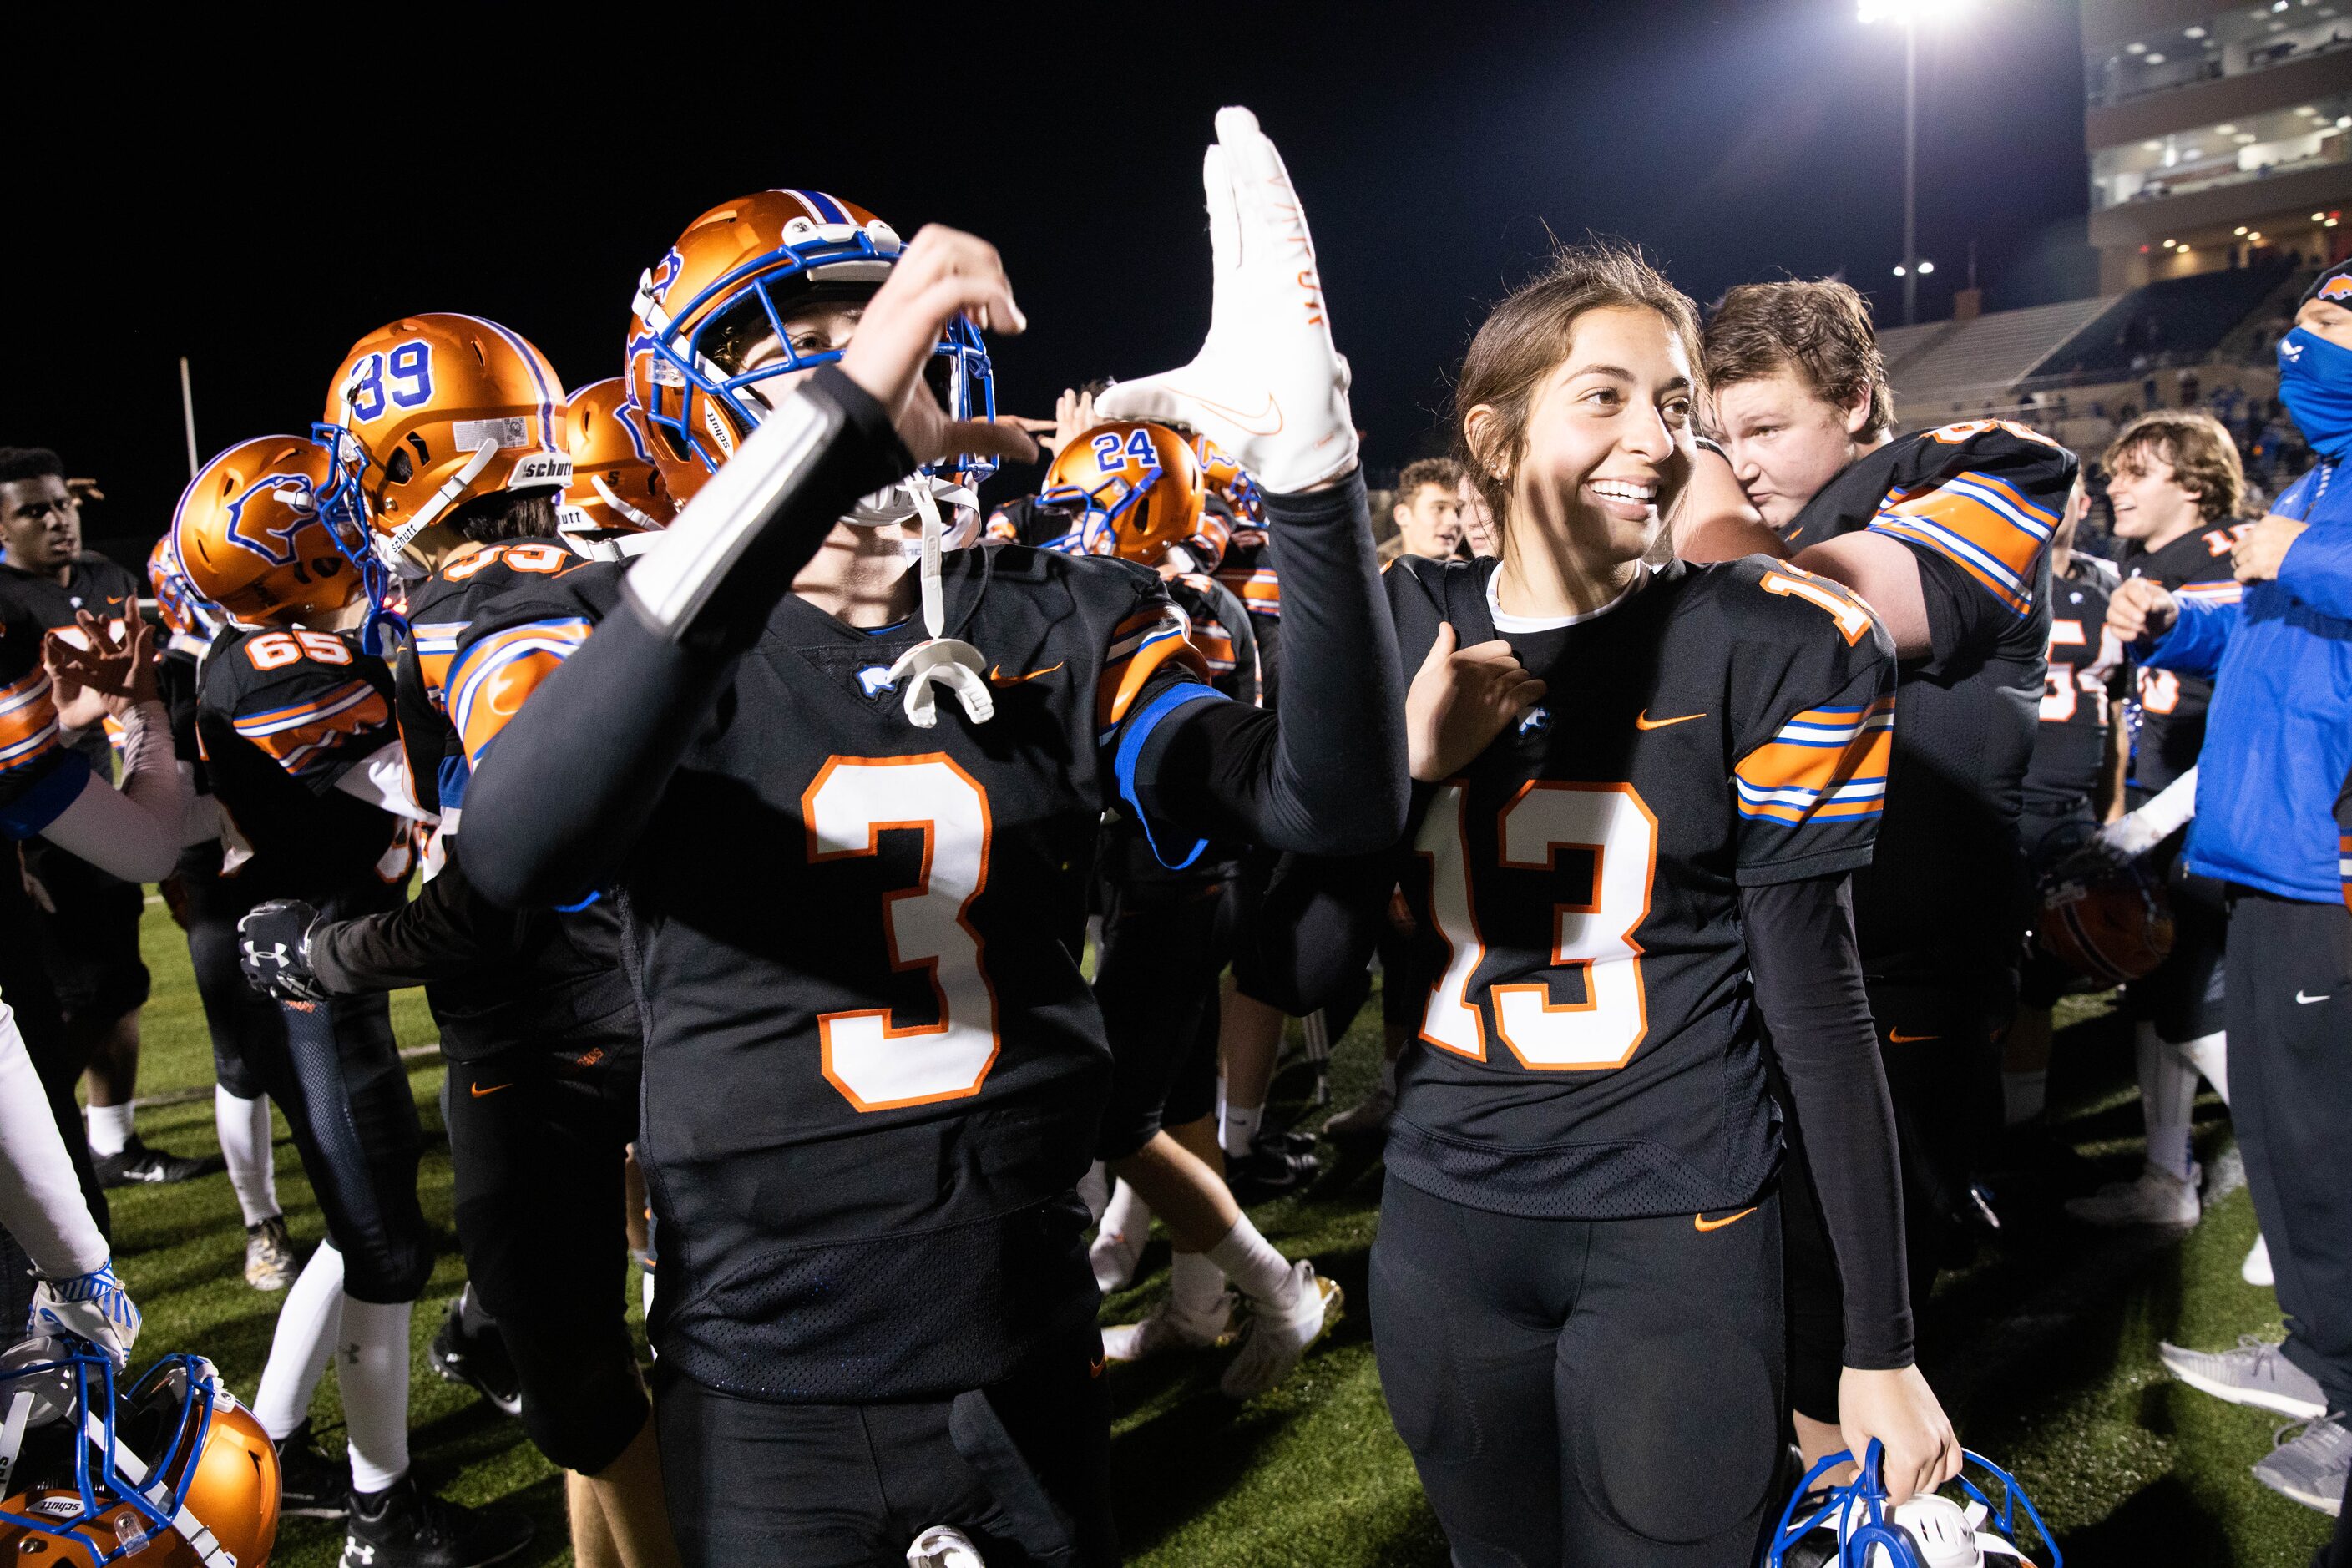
(206, 910)
(2069, 781)
(1135, 491)
(1639, 795)
(89, 920)
(2175, 483)
(616, 502)
(1946, 535)
(295, 722)
(537, 1020)
(873, 1071)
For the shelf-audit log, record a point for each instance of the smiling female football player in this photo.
(1638, 793)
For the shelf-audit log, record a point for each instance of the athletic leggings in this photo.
(1583, 1393)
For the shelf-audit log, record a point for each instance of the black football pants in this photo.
(537, 1139)
(1578, 1394)
(1156, 982)
(1022, 1467)
(237, 1015)
(2290, 1020)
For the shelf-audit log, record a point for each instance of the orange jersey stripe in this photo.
(1260, 589)
(1984, 525)
(1143, 642)
(1824, 765)
(299, 737)
(488, 685)
(28, 720)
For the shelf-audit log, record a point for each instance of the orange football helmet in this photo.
(1130, 489)
(183, 611)
(707, 326)
(172, 1469)
(614, 487)
(1231, 482)
(433, 411)
(2107, 924)
(259, 533)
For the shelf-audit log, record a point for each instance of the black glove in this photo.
(273, 948)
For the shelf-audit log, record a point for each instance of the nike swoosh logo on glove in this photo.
(1242, 419)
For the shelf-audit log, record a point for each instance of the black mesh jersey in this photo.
(559, 974)
(1589, 1049)
(2069, 743)
(2172, 702)
(1942, 909)
(281, 716)
(872, 1070)
(94, 584)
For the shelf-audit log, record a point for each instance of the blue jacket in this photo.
(2278, 738)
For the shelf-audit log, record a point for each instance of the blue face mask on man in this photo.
(2315, 384)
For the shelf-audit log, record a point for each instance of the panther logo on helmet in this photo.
(258, 533)
(270, 529)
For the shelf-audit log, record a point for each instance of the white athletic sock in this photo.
(243, 1126)
(1196, 1285)
(1127, 1215)
(1388, 1079)
(1256, 1270)
(2023, 1096)
(109, 1128)
(373, 1372)
(2210, 1055)
(308, 1327)
(2168, 1087)
(1239, 1130)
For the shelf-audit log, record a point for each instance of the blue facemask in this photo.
(2315, 384)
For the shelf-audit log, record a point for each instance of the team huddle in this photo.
(739, 790)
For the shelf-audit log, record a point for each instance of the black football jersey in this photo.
(1021, 521)
(872, 1069)
(2172, 703)
(562, 973)
(40, 777)
(281, 716)
(2070, 744)
(93, 583)
(1589, 1046)
(1942, 908)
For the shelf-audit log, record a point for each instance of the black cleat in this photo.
(309, 1483)
(478, 1358)
(1269, 1170)
(138, 1166)
(406, 1527)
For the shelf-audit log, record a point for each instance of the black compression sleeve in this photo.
(446, 932)
(1328, 776)
(1306, 937)
(557, 801)
(1808, 973)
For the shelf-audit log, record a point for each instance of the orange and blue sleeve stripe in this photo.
(28, 721)
(436, 645)
(1259, 590)
(1826, 764)
(491, 680)
(1984, 526)
(2223, 593)
(300, 736)
(1142, 643)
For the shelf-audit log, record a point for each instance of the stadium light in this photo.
(1910, 16)
(1925, 267)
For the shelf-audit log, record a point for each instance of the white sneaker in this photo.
(2256, 1269)
(2156, 1197)
(1114, 1256)
(1167, 1327)
(2311, 1468)
(1276, 1342)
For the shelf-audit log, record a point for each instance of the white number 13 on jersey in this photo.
(1592, 932)
(875, 1063)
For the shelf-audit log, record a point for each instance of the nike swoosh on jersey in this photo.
(479, 1092)
(997, 677)
(1642, 720)
(1898, 1038)
(1242, 419)
(2308, 1000)
(1700, 1221)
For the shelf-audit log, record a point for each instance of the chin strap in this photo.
(943, 661)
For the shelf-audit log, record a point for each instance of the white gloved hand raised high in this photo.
(1267, 385)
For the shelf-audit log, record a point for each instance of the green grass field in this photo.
(2045, 1350)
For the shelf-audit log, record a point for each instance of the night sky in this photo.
(259, 210)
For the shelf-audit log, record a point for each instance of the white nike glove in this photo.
(1268, 386)
(93, 1307)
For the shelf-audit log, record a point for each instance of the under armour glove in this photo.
(92, 1306)
(1267, 385)
(273, 948)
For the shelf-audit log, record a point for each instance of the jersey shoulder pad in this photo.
(1765, 604)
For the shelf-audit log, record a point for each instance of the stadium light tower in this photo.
(1910, 16)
